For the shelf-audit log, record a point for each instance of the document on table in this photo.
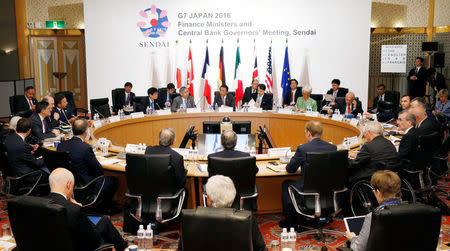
(203, 168)
(277, 168)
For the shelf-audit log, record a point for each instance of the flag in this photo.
(206, 86)
(255, 68)
(238, 79)
(190, 74)
(269, 82)
(179, 81)
(221, 68)
(286, 77)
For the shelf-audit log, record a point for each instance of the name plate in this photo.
(193, 110)
(255, 109)
(225, 109)
(278, 152)
(312, 114)
(97, 123)
(113, 119)
(183, 152)
(133, 148)
(354, 122)
(285, 111)
(163, 112)
(337, 117)
(136, 115)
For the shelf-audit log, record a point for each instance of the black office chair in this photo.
(139, 103)
(404, 227)
(217, 93)
(319, 99)
(100, 106)
(153, 196)
(115, 97)
(13, 106)
(325, 175)
(220, 229)
(386, 106)
(27, 213)
(71, 103)
(243, 173)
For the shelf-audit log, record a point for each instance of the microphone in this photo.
(99, 113)
(156, 103)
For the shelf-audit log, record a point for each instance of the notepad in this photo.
(277, 168)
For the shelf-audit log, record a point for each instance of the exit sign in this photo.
(56, 24)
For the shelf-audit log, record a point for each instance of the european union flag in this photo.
(286, 77)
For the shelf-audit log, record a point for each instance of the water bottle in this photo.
(359, 116)
(439, 245)
(96, 117)
(121, 114)
(149, 110)
(148, 238)
(337, 112)
(308, 108)
(253, 151)
(284, 238)
(140, 238)
(292, 238)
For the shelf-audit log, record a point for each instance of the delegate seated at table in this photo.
(306, 101)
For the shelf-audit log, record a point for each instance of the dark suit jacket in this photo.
(23, 105)
(377, 153)
(287, 99)
(428, 126)
(299, 159)
(120, 100)
(416, 88)
(408, 145)
(179, 100)
(231, 154)
(36, 128)
(388, 96)
(355, 110)
(229, 100)
(145, 103)
(20, 158)
(176, 161)
(248, 95)
(82, 232)
(341, 92)
(162, 97)
(63, 118)
(438, 82)
(83, 159)
(266, 102)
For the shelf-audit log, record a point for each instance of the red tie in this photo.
(348, 109)
(223, 100)
(292, 97)
(31, 103)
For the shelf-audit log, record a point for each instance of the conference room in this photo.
(287, 125)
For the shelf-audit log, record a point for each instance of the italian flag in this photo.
(238, 79)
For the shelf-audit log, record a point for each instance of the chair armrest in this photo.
(139, 208)
(83, 110)
(317, 208)
(105, 247)
(89, 184)
(336, 209)
(9, 179)
(420, 173)
(243, 198)
(344, 249)
(181, 193)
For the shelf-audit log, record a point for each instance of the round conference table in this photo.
(283, 129)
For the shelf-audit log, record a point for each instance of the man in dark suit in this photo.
(42, 127)
(86, 165)
(229, 140)
(378, 153)
(335, 90)
(417, 78)
(436, 81)
(20, 153)
(313, 132)
(350, 107)
(424, 124)
(408, 145)
(166, 140)
(183, 100)
(292, 95)
(151, 101)
(65, 115)
(26, 104)
(224, 98)
(165, 95)
(84, 233)
(251, 92)
(263, 100)
(124, 98)
(383, 95)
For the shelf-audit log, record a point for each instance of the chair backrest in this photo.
(55, 159)
(217, 93)
(318, 98)
(344, 89)
(70, 100)
(428, 146)
(14, 107)
(138, 103)
(221, 229)
(115, 95)
(323, 173)
(386, 106)
(405, 227)
(150, 176)
(340, 101)
(100, 105)
(39, 224)
(240, 170)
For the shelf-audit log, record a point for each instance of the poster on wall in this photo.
(393, 58)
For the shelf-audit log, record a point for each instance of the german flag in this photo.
(221, 68)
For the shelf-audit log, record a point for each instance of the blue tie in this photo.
(151, 106)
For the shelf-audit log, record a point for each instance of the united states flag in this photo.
(269, 82)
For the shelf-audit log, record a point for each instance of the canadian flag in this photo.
(190, 74)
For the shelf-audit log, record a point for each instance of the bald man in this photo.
(350, 107)
(84, 233)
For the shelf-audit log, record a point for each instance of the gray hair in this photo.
(350, 94)
(182, 89)
(229, 139)
(373, 127)
(409, 116)
(13, 122)
(220, 189)
(166, 137)
(307, 89)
